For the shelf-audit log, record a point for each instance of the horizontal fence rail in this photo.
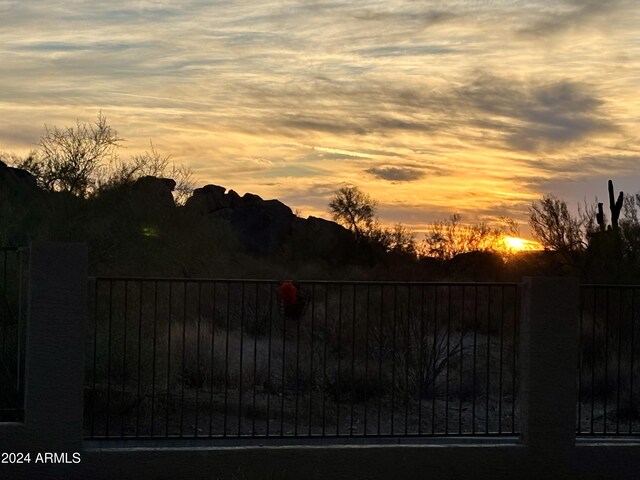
(609, 372)
(221, 358)
(12, 336)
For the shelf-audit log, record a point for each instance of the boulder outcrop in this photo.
(319, 238)
(208, 199)
(265, 226)
(16, 178)
(153, 192)
(262, 226)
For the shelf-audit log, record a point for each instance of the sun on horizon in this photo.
(512, 245)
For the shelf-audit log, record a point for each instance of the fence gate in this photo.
(259, 358)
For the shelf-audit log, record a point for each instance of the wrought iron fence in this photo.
(609, 373)
(12, 335)
(257, 358)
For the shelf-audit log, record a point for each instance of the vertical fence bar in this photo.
(297, 377)
(619, 386)
(501, 360)
(213, 351)
(488, 374)
(380, 354)
(5, 275)
(393, 357)
(419, 368)
(353, 357)
(475, 349)
(226, 359)
(407, 356)
(515, 353)
(4, 321)
(461, 348)
(366, 360)
(242, 300)
(23, 270)
(606, 360)
(446, 394)
(580, 358)
(593, 360)
(324, 360)
(109, 358)
(284, 353)
(124, 358)
(433, 362)
(311, 349)
(270, 385)
(196, 375)
(95, 358)
(170, 311)
(153, 360)
(138, 376)
(256, 329)
(339, 352)
(632, 368)
(184, 354)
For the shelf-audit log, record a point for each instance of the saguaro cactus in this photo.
(600, 217)
(606, 255)
(615, 207)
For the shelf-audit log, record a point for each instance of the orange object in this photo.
(288, 293)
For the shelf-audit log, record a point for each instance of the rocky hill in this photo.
(146, 207)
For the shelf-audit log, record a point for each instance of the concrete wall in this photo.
(546, 449)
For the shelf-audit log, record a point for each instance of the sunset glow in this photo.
(430, 107)
(516, 245)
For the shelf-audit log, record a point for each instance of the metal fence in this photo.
(257, 358)
(609, 373)
(12, 335)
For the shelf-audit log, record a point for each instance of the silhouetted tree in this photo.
(448, 238)
(554, 227)
(83, 160)
(630, 228)
(401, 240)
(150, 163)
(353, 209)
(69, 158)
(356, 211)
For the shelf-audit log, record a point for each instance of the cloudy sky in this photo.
(432, 107)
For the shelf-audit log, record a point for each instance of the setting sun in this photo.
(517, 244)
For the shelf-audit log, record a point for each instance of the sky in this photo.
(431, 107)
